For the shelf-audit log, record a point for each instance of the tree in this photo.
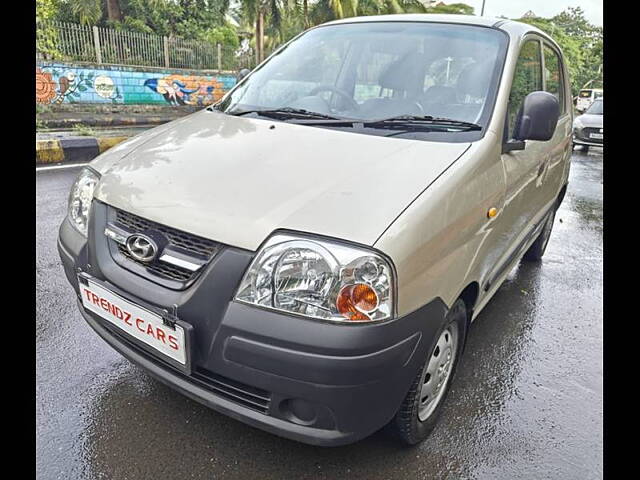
(257, 13)
(456, 8)
(113, 10)
(581, 43)
(46, 35)
(88, 12)
(326, 10)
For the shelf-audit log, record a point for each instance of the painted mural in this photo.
(58, 83)
(187, 90)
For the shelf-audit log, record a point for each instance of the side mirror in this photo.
(243, 73)
(538, 117)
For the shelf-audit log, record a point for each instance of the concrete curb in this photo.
(107, 121)
(73, 149)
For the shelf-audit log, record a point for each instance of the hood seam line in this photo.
(418, 195)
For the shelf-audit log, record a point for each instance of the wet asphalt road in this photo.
(526, 401)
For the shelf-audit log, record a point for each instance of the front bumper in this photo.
(579, 138)
(307, 380)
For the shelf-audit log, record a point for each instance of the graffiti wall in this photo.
(62, 82)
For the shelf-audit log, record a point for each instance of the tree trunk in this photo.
(257, 40)
(305, 9)
(113, 10)
(260, 39)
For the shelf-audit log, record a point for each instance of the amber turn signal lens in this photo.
(354, 300)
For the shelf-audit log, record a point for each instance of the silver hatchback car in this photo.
(307, 254)
(588, 128)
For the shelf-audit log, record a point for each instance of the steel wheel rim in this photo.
(438, 372)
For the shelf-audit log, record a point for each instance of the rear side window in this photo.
(553, 76)
(527, 78)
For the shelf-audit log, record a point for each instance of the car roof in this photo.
(513, 28)
(423, 17)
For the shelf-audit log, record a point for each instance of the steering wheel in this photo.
(330, 88)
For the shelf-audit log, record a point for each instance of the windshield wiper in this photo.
(285, 113)
(401, 122)
(413, 120)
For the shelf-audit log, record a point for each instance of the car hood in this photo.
(590, 120)
(236, 180)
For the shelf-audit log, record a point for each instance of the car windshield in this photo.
(596, 108)
(379, 70)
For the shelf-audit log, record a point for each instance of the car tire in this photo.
(537, 248)
(585, 148)
(417, 417)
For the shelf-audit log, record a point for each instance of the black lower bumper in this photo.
(310, 381)
(578, 140)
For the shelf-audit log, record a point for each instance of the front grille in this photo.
(161, 269)
(188, 243)
(234, 391)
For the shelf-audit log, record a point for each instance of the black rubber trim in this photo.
(320, 369)
(518, 251)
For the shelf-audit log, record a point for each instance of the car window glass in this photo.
(527, 78)
(553, 77)
(291, 80)
(368, 73)
(445, 71)
(378, 70)
(596, 108)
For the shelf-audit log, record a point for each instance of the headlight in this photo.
(80, 199)
(320, 279)
(577, 124)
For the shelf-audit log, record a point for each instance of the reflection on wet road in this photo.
(526, 401)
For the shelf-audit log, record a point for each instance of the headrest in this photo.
(474, 79)
(406, 74)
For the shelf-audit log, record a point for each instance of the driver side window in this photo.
(294, 80)
(527, 78)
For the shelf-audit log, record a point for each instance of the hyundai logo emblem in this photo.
(141, 247)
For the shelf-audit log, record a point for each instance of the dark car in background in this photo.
(588, 129)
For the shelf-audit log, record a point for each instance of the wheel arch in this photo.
(561, 194)
(469, 296)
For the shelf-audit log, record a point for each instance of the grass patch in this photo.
(42, 108)
(83, 130)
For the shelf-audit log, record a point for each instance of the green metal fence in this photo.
(82, 43)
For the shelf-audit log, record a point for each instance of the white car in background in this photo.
(586, 97)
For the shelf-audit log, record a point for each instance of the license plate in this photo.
(597, 136)
(138, 322)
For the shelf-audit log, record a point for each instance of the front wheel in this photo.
(420, 409)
